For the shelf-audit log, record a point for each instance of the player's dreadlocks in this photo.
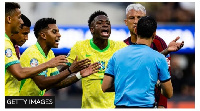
(95, 14)
(43, 24)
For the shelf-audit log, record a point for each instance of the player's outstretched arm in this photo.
(21, 73)
(173, 46)
(47, 82)
(79, 65)
(93, 68)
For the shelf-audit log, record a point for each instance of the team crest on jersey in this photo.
(34, 62)
(102, 65)
(8, 52)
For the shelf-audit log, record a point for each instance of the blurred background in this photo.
(174, 19)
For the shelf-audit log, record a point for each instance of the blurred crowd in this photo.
(177, 12)
(183, 74)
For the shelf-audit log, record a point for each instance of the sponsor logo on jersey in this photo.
(8, 52)
(34, 62)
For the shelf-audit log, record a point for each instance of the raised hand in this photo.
(79, 65)
(175, 46)
(59, 60)
(93, 68)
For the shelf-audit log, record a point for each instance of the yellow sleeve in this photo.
(122, 44)
(25, 59)
(54, 71)
(10, 55)
(73, 53)
(30, 59)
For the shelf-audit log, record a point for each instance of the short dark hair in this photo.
(10, 8)
(95, 14)
(43, 24)
(27, 22)
(146, 27)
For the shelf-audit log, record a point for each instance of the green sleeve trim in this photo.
(22, 83)
(69, 64)
(44, 73)
(54, 73)
(11, 63)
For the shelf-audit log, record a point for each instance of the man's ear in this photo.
(125, 21)
(43, 35)
(92, 30)
(8, 18)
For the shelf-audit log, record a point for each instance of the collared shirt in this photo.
(136, 69)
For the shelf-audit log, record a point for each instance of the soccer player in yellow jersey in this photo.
(13, 70)
(22, 36)
(48, 36)
(98, 49)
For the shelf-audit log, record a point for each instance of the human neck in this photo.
(100, 43)
(7, 31)
(44, 47)
(133, 38)
(144, 41)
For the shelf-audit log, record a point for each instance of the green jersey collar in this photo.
(97, 48)
(40, 49)
(7, 36)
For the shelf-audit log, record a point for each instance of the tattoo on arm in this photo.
(66, 82)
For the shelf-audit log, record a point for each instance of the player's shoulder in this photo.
(113, 42)
(156, 53)
(30, 50)
(157, 38)
(7, 40)
(82, 43)
(8, 43)
(51, 53)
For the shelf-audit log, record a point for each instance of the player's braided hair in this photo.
(10, 8)
(95, 14)
(43, 24)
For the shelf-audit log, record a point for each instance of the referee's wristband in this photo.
(78, 75)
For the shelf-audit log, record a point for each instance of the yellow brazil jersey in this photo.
(93, 96)
(32, 57)
(11, 83)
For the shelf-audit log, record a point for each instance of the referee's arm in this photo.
(166, 88)
(108, 83)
